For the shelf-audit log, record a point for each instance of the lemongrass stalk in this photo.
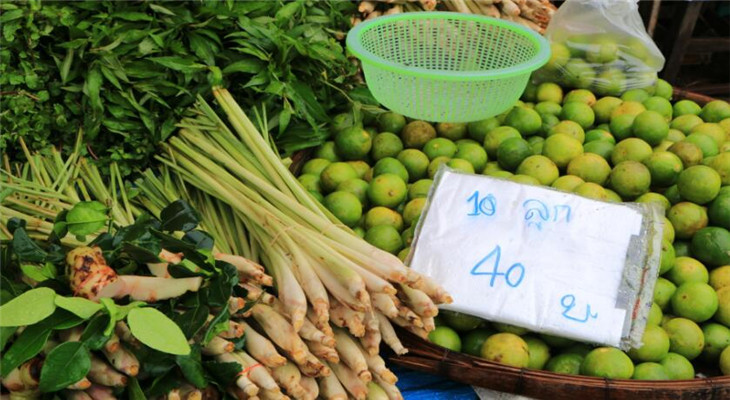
(390, 389)
(376, 364)
(235, 304)
(217, 346)
(409, 316)
(310, 388)
(82, 384)
(103, 374)
(323, 352)
(242, 380)
(280, 332)
(310, 332)
(289, 377)
(123, 360)
(330, 388)
(289, 291)
(323, 326)
(31, 207)
(235, 330)
(100, 392)
(257, 372)
(255, 293)
(389, 336)
(429, 324)
(272, 395)
(434, 290)
(125, 334)
(344, 317)
(112, 344)
(372, 338)
(31, 162)
(246, 268)
(351, 355)
(351, 382)
(404, 323)
(311, 284)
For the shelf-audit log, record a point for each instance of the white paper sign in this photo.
(529, 256)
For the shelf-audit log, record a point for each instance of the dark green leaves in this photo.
(224, 373)
(179, 216)
(25, 347)
(192, 367)
(25, 248)
(66, 364)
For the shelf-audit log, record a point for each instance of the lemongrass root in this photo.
(261, 348)
(247, 269)
(385, 304)
(351, 355)
(350, 381)
(100, 392)
(311, 389)
(242, 380)
(326, 353)
(376, 364)
(103, 374)
(389, 336)
(122, 360)
(257, 372)
(310, 332)
(217, 346)
(289, 377)
(330, 388)
(112, 344)
(419, 302)
(235, 331)
(280, 332)
(372, 338)
(75, 395)
(255, 293)
(125, 334)
(429, 324)
(82, 384)
(235, 304)
(344, 317)
(24, 378)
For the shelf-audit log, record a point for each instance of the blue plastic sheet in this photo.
(420, 386)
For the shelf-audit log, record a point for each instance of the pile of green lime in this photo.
(375, 177)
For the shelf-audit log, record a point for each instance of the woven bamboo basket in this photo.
(427, 357)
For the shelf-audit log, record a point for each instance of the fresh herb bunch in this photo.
(125, 72)
(66, 338)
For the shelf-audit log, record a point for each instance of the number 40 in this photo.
(513, 277)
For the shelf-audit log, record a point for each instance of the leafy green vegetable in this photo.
(25, 248)
(124, 72)
(29, 308)
(66, 364)
(93, 335)
(156, 330)
(179, 216)
(134, 391)
(39, 272)
(25, 347)
(225, 373)
(86, 217)
(191, 366)
(78, 305)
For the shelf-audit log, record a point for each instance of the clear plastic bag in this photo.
(600, 45)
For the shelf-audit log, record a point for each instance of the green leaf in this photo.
(217, 325)
(25, 347)
(123, 311)
(192, 320)
(200, 239)
(6, 333)
(134, 391)
(39, 272)
(132, 16)
(158, 8)
(248, 66)
(66, 364)
(78, 305)
(179, 216)
(225, 373)
(192, 367)
(185, 65)
(86, 217)
(111, 310)
(25, 248)
(29, 308)
(157, 331)
(93, 88)
(287, 12)
(93, 334)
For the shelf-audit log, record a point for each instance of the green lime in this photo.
(663, 292)
(622, 126)
(384, 237)
(664, 167)
(407, 235)
(315, 166)
(417, 133)
(439, 147)
(579, 73)
(473, 153)
(419, 189)
(599, 134)
(678, 366)
(712, 130)
(723, 310)
(356, 186)
(654, 347)
(603, 148)
(590, 167)
(668, 233)
(556, 341)
(386, 144)
(663, 89)
(565, 364)
(473, 341)
(413, 211)
(390, 165)
(687, 219)
(721, 164)
(460, 165)
(637, 95)
(578, 112)
(699, 184)
(604, 107)
(685, 337)
(685, 107)
(580, 95)
(478, 130)
(549, 91)
(720, 277)
(445, 337)
(725, 124)
(661, 106)
(689, 153)
(719, 212)
(652, 197)
(391, 122)
(630, 179)
(685, 123)
(570, 128)
(383, 216)
(459, 321)
(672, 194)
(725, 361)
(548, 122)
(610, 82)
(631, 149)
(591, 191)
(539, 167)
(567, 183)
(559, 56)
(650, 371)
(715, 111)
(362, 169)
(353, 143)
(706, 143)
(507, 328)
(336, 173)
(387, 190)
(343, 121)
(687, 269)
(525, 120)
(506, 348)
(628, 107)
(327, 151)
(525, 179)
(310, 182)
(668, 258)
(681, 248)
(415, 162)
(359, 231)
(675, 135)
(345, 206)
(539, 352)
(512, 152)
(696, 301)
(433, 167)
(651, 127)
(607, 362)
(717, 338)
(496, 136)
(548, 107)
(451, 131)
(655, 315)
(711, 246)
(561, 149)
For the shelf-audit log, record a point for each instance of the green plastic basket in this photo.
(446, 66)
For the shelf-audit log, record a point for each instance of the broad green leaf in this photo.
(157, 331)
(225, 373)
(93, 334)
(132, 16)
(192, 320)
(158, 8)
(93, 89)
(6, 333)
(78, 305)
(217, 325)
(66, 364)
(111, 309)
(123, 311)
(179, 216)
(248, 65)
(29, 308)
(39, 272)
(25, 347)
(25, 248)
(134, 391)
(192, 367)
(287, 12)
(86, 217)
(181, 64)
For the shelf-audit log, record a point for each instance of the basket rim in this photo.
(354, 45)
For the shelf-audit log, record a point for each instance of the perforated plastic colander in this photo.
(446, 66)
